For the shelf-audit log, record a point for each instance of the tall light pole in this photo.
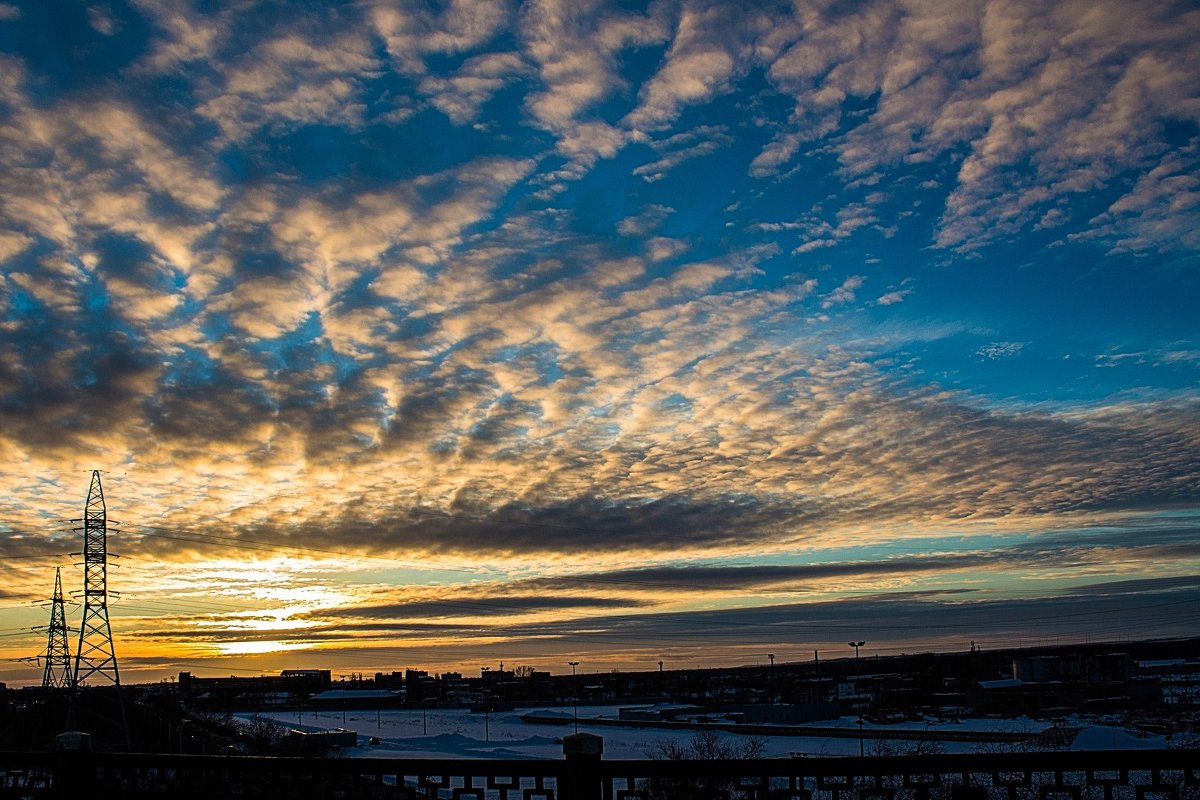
(574, 692)
(858, 691)
(487, 737)
(857, 663)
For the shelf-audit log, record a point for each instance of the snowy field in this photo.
(457, 733)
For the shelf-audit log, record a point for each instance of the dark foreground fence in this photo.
(1113, 775)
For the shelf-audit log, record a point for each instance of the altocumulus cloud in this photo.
(750, 298)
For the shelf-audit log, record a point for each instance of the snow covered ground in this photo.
(457, 733)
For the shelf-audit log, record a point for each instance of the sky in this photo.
(437, 335)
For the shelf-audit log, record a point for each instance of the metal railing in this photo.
(1097, 775)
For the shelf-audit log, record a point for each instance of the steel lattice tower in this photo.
(58, 651)
(95, 655)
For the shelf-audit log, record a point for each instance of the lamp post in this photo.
(483, 677)
(857, 663)
(858, 691)
(574, 692)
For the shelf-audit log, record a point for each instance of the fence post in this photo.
(582, 780)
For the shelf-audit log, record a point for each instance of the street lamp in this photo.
(857, 663)
(487, 737)
(575, 692)
(858, 690)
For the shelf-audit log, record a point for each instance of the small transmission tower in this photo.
(95, 655)
(58, 652)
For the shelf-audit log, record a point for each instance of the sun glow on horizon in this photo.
(260, 647)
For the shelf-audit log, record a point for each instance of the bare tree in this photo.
(262, 735)
(1025, 743)
(1188, 739)
(905, 747)
(706, 745)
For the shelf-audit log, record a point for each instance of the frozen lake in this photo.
(457, 733)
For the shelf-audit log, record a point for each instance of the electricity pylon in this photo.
(58, 653)
(93, 710)
(95, 655)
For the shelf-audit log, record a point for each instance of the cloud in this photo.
(576, 46)
(101, 19)
(682, 147)
(844, 293)
(467, 606)
(1046, 105)
(892, 298)
(697, 65)
(411, 32)
(997, 350)
(462, 95)
(1159, 213)
(406, 343)
(645, 221)
(1069, 553)
(293, 79)
(355, 281)
(818, 231)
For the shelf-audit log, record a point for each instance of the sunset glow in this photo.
(436, 335)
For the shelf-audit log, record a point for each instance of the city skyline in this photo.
(600, 331)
